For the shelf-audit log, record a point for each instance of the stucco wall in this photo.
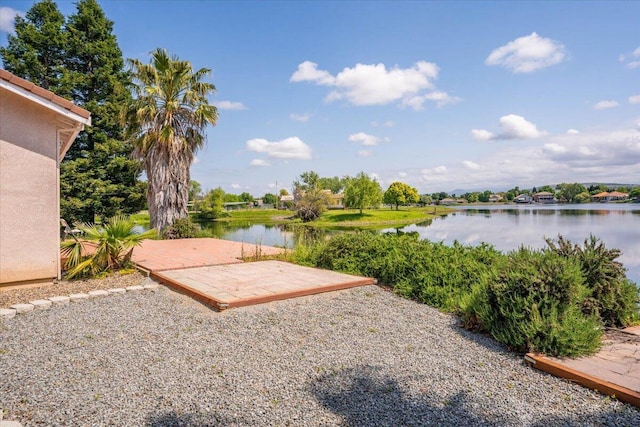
(29, 201)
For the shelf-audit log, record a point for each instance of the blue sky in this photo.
(440, 95)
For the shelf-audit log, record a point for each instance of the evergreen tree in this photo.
(81, 61)
(36, 51)
(98, 176)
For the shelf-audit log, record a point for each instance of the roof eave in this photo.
(45, 103)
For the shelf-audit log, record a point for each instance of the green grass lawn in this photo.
(262, 216)
(141, 218)
(378, 218)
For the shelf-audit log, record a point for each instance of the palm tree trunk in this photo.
(168, 186)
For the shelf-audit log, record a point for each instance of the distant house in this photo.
(609, 196)
(334, 201)
(544, 197)
(286, 202)
(36, 130)
(448, 201)
(523, 198)
(495, 198)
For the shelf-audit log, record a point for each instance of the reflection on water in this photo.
(279, 235)
(508, 228)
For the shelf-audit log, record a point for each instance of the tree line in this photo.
(564, 192)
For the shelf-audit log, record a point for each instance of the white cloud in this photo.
(573, 132)
(634, 99)
(440, 169)
(434, 175)
(516, 127)
(7, 19)
(632, 60)
(289, 148)
(300, 117)
(364, 139)
(513, 127)
(470, 165)
(196, 160)
(402, 174)
(229, 105)
(308, 71)
(260, 162)
(365, 153)
(374, 84)
(527, 54)
(603, 105)
(602, 156)
(236, 186)
(596, 149)
(482, 135)
(441, 99)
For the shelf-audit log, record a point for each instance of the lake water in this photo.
(506, 227)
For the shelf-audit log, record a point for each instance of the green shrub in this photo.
(432, 273)
(553, 301)
(533, 302)
(614, 298)
(182, 228)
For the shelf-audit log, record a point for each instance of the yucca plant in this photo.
(114, 242)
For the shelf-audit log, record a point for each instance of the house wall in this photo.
(29, 195)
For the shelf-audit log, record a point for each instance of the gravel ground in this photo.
(360, 357)
(24, 295)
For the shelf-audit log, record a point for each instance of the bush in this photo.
(429, 272)
(534, 302)
(553, 301)
(211, 206)
(182, 228)
(311, 204)
(614, 298)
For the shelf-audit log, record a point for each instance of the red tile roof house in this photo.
(37, 128)
(607, 197)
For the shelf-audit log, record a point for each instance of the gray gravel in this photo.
(360, 357)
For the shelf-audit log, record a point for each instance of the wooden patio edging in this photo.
(547, 365)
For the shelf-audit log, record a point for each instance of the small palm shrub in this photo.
(533, 302)
(614, 298)
(114, 243)
(182, 228)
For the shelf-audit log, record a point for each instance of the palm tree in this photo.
(166, 120)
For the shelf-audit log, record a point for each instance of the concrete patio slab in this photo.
(159, 255)
(237, 285)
